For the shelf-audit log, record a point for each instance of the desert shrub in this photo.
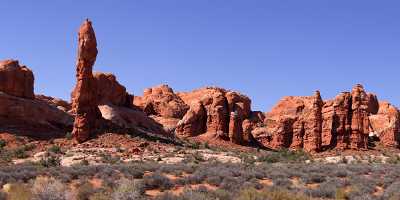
(51, 161)
(130, 171)
(18, 191)
(102, 195)
(284, 155)
(3, 143)
(85, 191)
(166, 196)
(48, 189)
(392, 192)
(54, 149)
(282, 182)
(157, 181)
(314, 178)
(129, 190)
(269, 194)
(3, 196)
(68, 135)
(109, 159)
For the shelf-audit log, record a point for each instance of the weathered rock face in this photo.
(127, 118)
(360, 126)
(345, 122)
(216, 111)
(340, 121)
(110, 91)
(194, 122)
(84, 97)
(296, 122)
(386, 124)
(56, 102)
(32, 117)
(16, 80)
(161, 101)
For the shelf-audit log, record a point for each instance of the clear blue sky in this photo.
(265, 49)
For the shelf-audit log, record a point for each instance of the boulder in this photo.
(16, 80)
(84, 97)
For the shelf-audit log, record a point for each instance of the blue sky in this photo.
(265, 49)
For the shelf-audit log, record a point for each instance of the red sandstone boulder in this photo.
(386, 124)
(161, 101)
(110, 91)
(84, 97)
(16, 80)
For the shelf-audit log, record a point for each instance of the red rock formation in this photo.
(386, 124)
(344, 123)
(21, 112)
(296, 122)
(84, 102)
(313, 125)
(235, 128)
(360, 126)
(194, 122)
(110, 91)
(161, 101)
(341, 121)
(16, 80)
(32, 117)
(56, 102)
(225, 113)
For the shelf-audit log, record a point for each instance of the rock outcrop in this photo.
(16, 80)
(21, 112)
(110, 91)
(32, 117)
(386, 125)
(296, 122)
(217, 112)
(56, 102)
(346, 122)
(161, 101)
(84, 97)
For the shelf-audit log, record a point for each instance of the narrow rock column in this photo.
(360, 120)
(84, 102)
(313, 132)
(235, 128)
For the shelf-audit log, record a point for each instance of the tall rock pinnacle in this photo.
(84, 102)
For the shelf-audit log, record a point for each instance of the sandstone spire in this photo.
(84, 102)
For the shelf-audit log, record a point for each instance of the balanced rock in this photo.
(16, 80)
(84, 97)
